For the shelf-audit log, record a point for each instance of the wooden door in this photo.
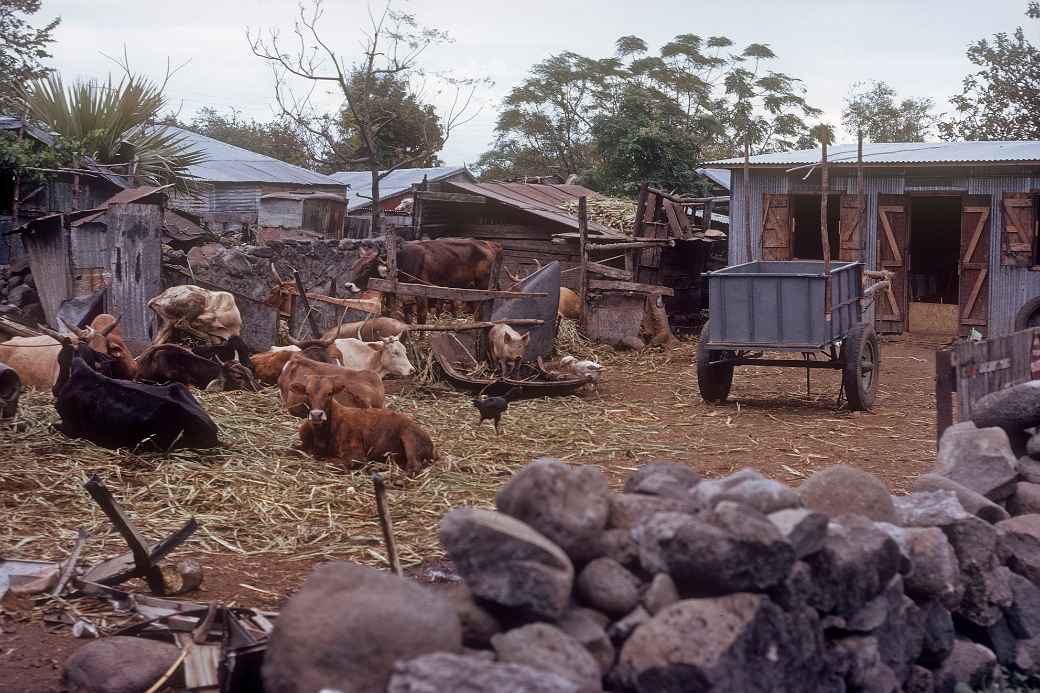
(1019, 230)
(777, 227)
(852, 227)
(892, 242)
(973, 298)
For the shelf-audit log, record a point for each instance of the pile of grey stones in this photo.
(18, 291)
(682, 584)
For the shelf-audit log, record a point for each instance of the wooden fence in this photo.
(975, 369)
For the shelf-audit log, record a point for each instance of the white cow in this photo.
(212, 313)
(387, 356)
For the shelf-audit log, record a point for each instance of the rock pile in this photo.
(18, 291)
(683, 584)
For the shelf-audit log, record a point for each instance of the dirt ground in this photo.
(647, 406)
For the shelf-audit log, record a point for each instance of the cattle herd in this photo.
(106, 395)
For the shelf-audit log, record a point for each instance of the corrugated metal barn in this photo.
(955, 222)
(232, 180)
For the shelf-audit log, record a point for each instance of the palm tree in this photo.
(114, 124)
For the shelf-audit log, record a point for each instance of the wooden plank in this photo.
(608, 271)
(446, 293)
(991, 365)
(464, 198)
(583, 267)
(504, 231)
(945, 379)
(201, 663)
(610, 285)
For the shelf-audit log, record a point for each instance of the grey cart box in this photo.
(779, 305)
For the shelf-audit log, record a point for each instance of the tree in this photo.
(874, 112)
(279, 138)
(22, 47)
(392, 47)
(648, 115)
(114, 124)
(1001, 101)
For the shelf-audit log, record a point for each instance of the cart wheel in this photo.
(861, 355)
(714, 381)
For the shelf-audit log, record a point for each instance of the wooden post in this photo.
(135, 263)
(859, 170)
(390, 242)
(583, 250)
(302, 293)
(386, 523)
(944, 387)
(747, 198)
(644, 189)
(825, 238)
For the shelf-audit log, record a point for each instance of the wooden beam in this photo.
(446, 293)
(945, 383)
(583, 267)
(481, 325)
(608, 271)
(634, 245)
(504, 231)
(452, 197)
(302, 294)
(607, 285)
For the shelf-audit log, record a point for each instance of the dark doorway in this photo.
(935, 238)
(805, 209)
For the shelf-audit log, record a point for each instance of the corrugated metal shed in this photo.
(540, 200)
(359, 194)
(889, 153)
(227, 163)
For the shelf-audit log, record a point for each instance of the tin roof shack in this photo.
(318, 212)
(112, 251)
(22, 200)
(232, 180)
(955, 222)
(522, 218)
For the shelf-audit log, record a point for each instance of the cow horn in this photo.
(63, 338)
(274, 273)
(292, 340)
(82, 334)
(115, 323)
(217, 357)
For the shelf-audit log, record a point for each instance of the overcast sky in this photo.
(916, 46)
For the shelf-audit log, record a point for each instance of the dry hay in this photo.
(257, 495)
(614, 212)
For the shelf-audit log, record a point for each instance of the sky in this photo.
(918, 46)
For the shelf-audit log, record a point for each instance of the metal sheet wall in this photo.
(761, 182)
(1009, 287)
(89, 248)
(231, 197)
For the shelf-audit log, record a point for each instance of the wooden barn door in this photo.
(852, 227)
(892, 242)
(777, 227)
(973, 296)
(1019, 230)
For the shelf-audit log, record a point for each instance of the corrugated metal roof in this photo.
(541, 200)
(226, 163)
(718, 176)
(122, 197)
(903, 153)
(359, 195)
(298, 196)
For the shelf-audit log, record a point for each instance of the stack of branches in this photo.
(614, 212)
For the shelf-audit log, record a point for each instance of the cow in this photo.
(210, 313)
(268, 365)
(306, 384)
(462, 263)
(506, 347)
(121, 414)
(234, 348)
(385, 357)
(35, 359)
(10, 392)
(104, 337)
(371, 330)
(360, 435)
(172, 363)
(570, 305)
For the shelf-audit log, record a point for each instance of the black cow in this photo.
(232, 348)
(172, 363)
(121, 414)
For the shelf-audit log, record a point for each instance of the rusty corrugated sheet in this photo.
(540, 200)
(47, 244)
(135, 263)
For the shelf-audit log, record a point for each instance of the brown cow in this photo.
(104, 337)
(35, 359)
(268, 365)
(462, 263)
(307, 385)
(172, 363)
(570, 305)
(361, 435)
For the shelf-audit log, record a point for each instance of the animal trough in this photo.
(783, 306)
(454, 354)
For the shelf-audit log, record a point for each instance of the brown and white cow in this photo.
(506, 347)
(35, 359)
(372, 330)
(307, 385)
(360, 435)
(212, 313)
(268, 365)
(386, 357)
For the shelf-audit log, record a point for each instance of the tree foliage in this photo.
(642, 114)
(114, 123)
(22, 48)
(1001, 100)
(872, 109)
